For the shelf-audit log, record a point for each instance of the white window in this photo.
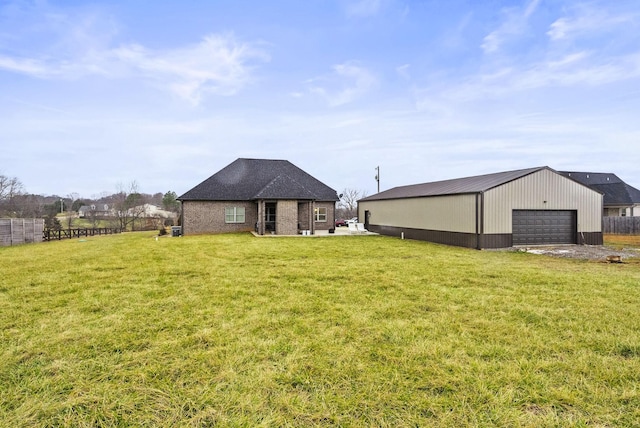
(320, 214)
(234, 215)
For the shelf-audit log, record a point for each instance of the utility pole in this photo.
(378, 177)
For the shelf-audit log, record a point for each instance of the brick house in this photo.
(261, 195)
(620, 198)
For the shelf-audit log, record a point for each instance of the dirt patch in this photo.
(585, 252)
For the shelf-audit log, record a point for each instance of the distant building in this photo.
(620, 199)
(95, 210)
(149, 210)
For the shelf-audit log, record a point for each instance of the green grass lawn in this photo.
(232, 330)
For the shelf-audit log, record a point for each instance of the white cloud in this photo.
(560, 28)
(44, 68)
(574, 70)
(24, 66)
(515, 24)
(363, 7)
(352, 81)
(55, 32)
(218, 65)
(587, 21)
(571, 70)
(403, 71)
(55, 43)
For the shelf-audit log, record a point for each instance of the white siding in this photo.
(543, 190)
(454, 213)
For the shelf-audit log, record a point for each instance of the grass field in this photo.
(233, 330)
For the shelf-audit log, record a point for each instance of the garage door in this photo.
(542, 227)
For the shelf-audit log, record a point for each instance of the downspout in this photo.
(479, 219)
(181, 219)
(261, 218)
(256, 227)
(333, 217)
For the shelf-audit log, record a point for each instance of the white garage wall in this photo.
(542, 190)
(454, 213)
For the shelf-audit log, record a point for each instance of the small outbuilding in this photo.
(535, 206)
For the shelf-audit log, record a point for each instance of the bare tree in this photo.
(128, 205)
(28, 206)
(10, 188)
(70, 213)
(348, 204)
(92, 215)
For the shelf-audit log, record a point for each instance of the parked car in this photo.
(340, 222)
(352, 220)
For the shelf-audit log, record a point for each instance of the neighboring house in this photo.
(149, 210)
(95, 210)
(261, 195)
(525, 207)
(620, 199)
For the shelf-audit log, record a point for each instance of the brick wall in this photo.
(287, 218)
(305, 215)
(208, 217)
(331, 216)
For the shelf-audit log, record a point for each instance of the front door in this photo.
(270, 217)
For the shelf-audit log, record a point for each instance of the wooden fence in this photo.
(58, 234)
(621, 225)
(14, 231)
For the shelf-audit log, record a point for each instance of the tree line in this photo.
(125, 205)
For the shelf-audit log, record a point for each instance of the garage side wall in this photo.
(209, 217)
(443, 219)
(454, 213)
(544, 190)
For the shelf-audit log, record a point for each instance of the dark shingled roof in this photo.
(253, 179)
(476, 184)
(616, 192)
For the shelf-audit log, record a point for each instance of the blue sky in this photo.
(96, 95)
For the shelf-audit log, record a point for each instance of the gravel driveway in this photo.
(585, 252)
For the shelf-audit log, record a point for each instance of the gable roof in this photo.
(94, 207)
(616, 191)
(475, 184)
(253, 179)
